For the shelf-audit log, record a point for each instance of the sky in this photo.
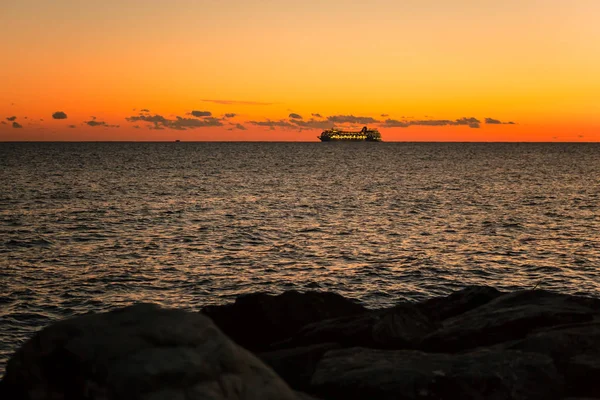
(281, 70)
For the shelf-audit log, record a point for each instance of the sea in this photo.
(93, 226)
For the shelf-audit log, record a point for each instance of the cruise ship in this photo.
(364, 135)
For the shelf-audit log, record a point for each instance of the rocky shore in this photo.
(477, 343)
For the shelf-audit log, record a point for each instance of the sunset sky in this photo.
(277, 70)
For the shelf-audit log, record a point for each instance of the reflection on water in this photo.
(94, 226)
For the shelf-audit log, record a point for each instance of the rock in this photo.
(359, 373)
(138, 352)
(582, 374)
(402, 326)
(297, 365)
(508, 317)
(255, 321)
(467, 299)
(575, 350)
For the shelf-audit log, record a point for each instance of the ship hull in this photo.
(347, 140)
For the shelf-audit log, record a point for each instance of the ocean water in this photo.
(93, 226)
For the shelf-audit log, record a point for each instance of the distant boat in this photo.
(177, 141)
(364, 135)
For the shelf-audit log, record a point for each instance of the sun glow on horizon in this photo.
(252, 65)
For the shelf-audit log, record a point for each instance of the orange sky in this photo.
(428, 65)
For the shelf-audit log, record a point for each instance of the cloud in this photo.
(16, 125)
(385, 115)
(295, 116)
(312, 124)
(179, 123)
(394, 123)
(470, 122)
(59, 115)
(155, 119)
(351, 119)
(240, 127)
(72, 126)
(273, 124)
(3, 122)
(201, 113)
(492, 121)
(317, 115)
(93, 123)
(241, 102)
(229, 115)
(11, 118)
(144, 110)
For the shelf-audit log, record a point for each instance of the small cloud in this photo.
(273, 124)
(59, 115)
(72, 126)
(241, 102)
(11, 118)
(470, 122)
(394, 123)
(385, 115)
(143, 110)
(3, 122)
(351, 119)
(492, 121)
(155, 119)
(16, 125)
(199, 114)
(240, 127)
(312, 124)
(93, 123)
(317, 115)
(229, 115)
(295, 116)
(136, 126)
(179, 123)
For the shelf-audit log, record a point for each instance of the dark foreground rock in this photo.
(508, 317)
(139, 352)
(359, 373)
(257, 320)
(477, 343)
(399, 327)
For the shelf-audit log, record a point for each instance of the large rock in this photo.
(257, 320)
(508, 317)
(399, 327)
(139, 352)
(297, 365)
(359, 373)
(459, 302)
(575, 350)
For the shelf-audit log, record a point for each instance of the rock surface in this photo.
(507, 317)
(477, 343)
(359, 373)
(257, 320)
(139, 352)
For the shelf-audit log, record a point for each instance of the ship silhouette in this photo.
(364, 135)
